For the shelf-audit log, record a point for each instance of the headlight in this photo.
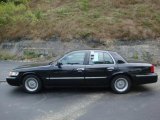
(13, 73)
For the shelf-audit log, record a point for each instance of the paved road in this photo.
(5, 67)
(142, 103)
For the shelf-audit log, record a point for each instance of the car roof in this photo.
(91, 50)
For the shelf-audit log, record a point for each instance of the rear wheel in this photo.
(32, 84)
(121, 84)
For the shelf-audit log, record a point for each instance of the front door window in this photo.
(76, 58)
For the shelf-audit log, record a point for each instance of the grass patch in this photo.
(30, 54)
(62, 11)
(84, 5)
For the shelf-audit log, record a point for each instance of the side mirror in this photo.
(59, 64)
(120, 62)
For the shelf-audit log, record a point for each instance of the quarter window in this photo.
(74, 58)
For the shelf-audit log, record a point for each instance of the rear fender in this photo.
(121, 73)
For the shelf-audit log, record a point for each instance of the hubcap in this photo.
(31, 84)
(121, 84)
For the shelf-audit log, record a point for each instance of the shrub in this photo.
(30, 54)
(8, 10)
(16, 2)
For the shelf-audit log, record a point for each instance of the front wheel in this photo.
(32, 84)
(121, 84)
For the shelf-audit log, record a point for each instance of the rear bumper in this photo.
(144, 79)
(13, 81)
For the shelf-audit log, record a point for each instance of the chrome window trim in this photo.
(58, 78)
(111, 57)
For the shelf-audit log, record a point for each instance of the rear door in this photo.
(100, 68)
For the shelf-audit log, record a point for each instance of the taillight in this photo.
(152, 69)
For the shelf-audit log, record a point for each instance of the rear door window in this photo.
(100, 57)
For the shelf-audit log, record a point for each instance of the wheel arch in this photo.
(30, 73)
(122, 73)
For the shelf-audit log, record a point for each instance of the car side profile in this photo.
(89, 68)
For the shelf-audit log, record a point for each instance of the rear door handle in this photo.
(80, 69)
(110, 68)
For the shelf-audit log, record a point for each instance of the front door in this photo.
(99, 69)
(71, 70)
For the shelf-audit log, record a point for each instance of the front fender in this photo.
(27, 73)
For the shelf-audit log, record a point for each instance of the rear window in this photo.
(117, 57)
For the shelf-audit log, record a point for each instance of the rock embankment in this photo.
(140, 50)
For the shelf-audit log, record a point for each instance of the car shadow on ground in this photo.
(80, 90)
(140, 88)
(19, 90)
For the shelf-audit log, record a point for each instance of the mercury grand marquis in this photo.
(88, 68)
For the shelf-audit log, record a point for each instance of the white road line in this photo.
(74, 111)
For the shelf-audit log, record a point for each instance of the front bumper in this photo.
(144, 79)
(13, 81)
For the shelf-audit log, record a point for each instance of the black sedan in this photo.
(89, 68)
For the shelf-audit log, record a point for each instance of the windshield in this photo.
(56, 59)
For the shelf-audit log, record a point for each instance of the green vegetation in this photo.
(147, 57)
(12, 13)
(30, 54)
(135, 55)
(6, 56)
(84, 5)
(102, 19)
(27, 55)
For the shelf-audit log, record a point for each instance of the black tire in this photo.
(121, 84)
(32, 84)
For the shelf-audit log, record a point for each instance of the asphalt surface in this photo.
(142, 103)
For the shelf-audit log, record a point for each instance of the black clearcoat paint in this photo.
(91, 75)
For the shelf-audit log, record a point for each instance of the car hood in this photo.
(27, 66)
